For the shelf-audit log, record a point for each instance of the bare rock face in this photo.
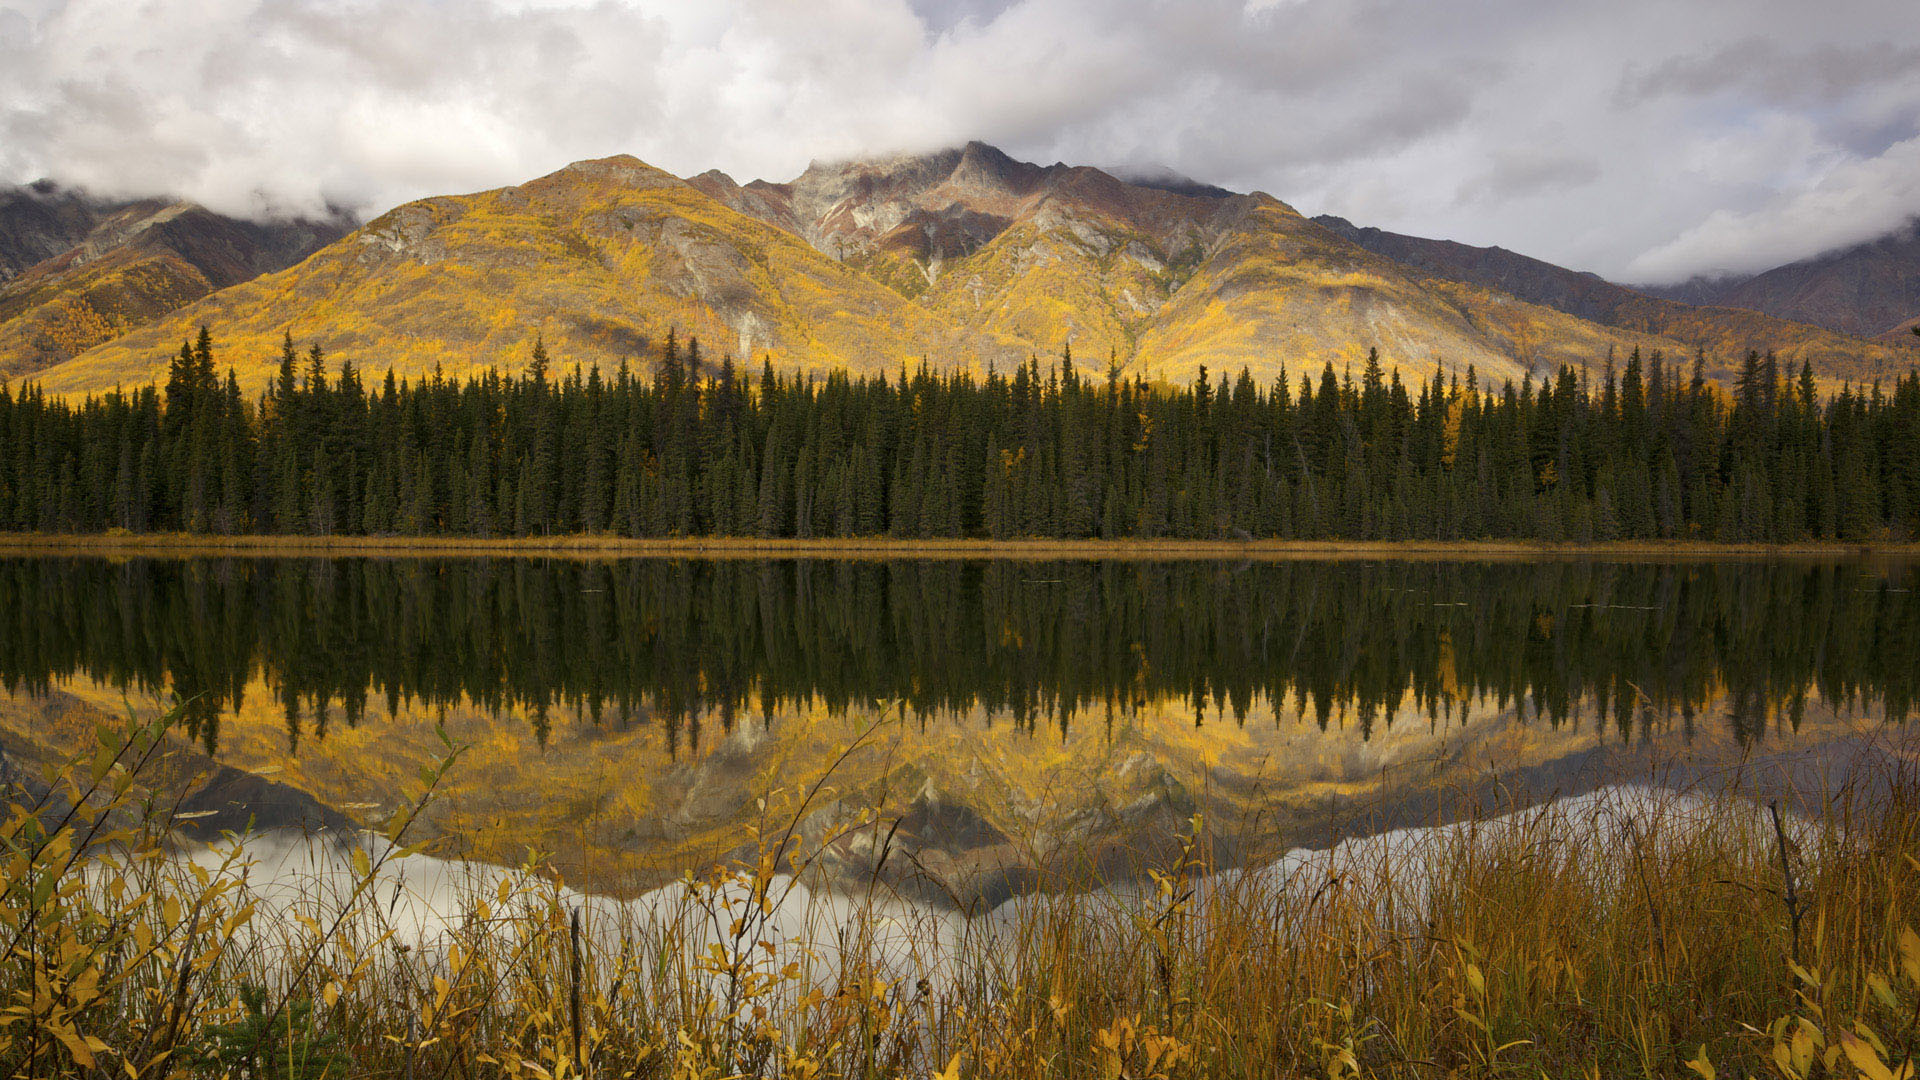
(408, 232)
(946, 205)
(937, 849)
(233, 800)
(941, 205)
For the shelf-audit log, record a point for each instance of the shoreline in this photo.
(579, 546)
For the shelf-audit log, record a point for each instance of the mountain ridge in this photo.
(963, 258)
(1720, 329)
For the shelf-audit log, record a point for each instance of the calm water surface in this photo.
(626, 720)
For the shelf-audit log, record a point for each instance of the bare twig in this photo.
(1791, 895)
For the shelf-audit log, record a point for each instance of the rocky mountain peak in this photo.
(39, 221)
(949, 201)
(624, 170)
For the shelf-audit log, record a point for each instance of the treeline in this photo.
(691, 448)
(683, 645)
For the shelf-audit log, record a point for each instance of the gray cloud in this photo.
(1639, 138)
(1517, 172)
(1857, 199)
(1759, 70)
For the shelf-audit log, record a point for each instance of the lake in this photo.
(971, 728)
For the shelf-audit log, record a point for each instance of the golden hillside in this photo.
(48, 317)
(1278, 290)
(602, 258)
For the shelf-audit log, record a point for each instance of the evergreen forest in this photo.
(1645, 449)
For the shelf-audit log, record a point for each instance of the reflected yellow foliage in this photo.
(624, 806)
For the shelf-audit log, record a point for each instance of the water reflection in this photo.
(643, 707)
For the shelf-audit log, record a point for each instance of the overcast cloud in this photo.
(1644, 139)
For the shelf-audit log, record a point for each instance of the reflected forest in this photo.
(690, 644)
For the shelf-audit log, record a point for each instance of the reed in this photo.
(1648, 936)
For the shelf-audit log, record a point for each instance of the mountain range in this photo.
(963, 259)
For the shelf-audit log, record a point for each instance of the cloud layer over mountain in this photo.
(1639, 138)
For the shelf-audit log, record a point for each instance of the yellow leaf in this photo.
(951, 1072)
(1701, 1066)
(1803, 1045)
(1877, 984)
(1864, 1058)
(82, 1055)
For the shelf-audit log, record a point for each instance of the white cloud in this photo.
(1590, 133)
(1855, 200)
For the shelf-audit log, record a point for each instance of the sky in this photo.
(1647, 140)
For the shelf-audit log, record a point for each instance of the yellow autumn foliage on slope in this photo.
(601, 258)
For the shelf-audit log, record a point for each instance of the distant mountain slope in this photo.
(962, 258)
(79, 271)
(39, 221)
(1725, 332)
(1868, 290)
